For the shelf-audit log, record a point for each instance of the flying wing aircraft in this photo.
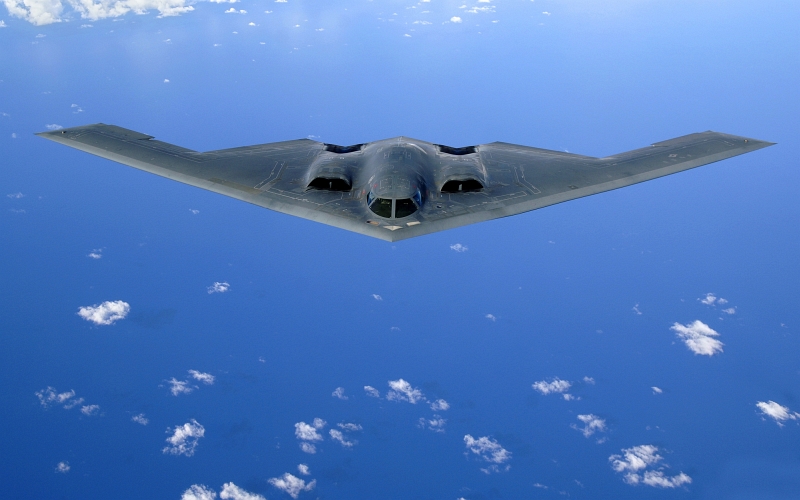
(399, 188)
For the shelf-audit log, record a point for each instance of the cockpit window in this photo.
(382, 207)
(404, 208)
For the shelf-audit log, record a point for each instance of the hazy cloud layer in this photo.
(698, 337)
(638, 466)
(184, 439)
(106, 313)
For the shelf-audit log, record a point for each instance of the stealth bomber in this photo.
(399, 188)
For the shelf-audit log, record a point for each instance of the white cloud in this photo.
(376, 296)
(232, 492)
(555, 386)
(49, 396)
(199, 492)
(487, 8)
(166, 80)
(97, 253)
(458, 247)
(3, 24)
(194, 212)
(205, 378)
(455, 19)
(657, 390)
(90, 410)
(106, 313)
(349, 427)
(588, 380)
(178, 387)
(63, 467)
(339, 393)
(546, 13)
(570, 397)
(708, 300)
(636, 309)
(41, 12)
(308, 432)
(491, 317)
(436, 424)
(730, 310)
(698, 337)
(53, 126)
(308, 447)
(488, 449)
(637, 459)
(777, 412)
(219, 287)
(38, 12)
(337, 435)
(234, 11)
(184, 439)
(402, 391)
(13, 135)
(140, 419)
(591, 424)
(291, 484)
(15, 196)
(303, 469)
(371, 391)
(440, 405)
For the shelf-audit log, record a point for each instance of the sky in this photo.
(161, 341)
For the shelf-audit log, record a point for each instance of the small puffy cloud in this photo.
(339, 393)
(194, 212)
(708, 300)
(638, 464)
(291, 484)
(591, 424)
(90, 410)
(402, 391)
(178, 387)
(657, 390)
(184, 439)
(96, 254)
(15, 196)
(219, 287)
(349, 426)
(588, 380)
(199, 492)
(489, 450)
(698, 337)
(3, 24)
(730, 310)
(234, 11)
(484, 9)
(140, 419)
(49, 397)
(308, 447)
(777, 412)
(166, 80)
(436, 424)
(306, 432)
(440, 405)
(205, 378)
(63, 467)
(53, 126)
(337, 435)
(376, 296)
(106, 313)
(303, 469)
(636, 309)
(491, 317)
(546, 13)
(570, 397)
(455, 19)
(555, 386)
(371, 391)
(458, 247)
(232, 492)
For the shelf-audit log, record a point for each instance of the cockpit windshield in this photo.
(404, 208)
(382, 207)
(392, 209)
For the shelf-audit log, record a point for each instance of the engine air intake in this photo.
(329, 184)
(464, 186)
(333, 148)
(467, 150)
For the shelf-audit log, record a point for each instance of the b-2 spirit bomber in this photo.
(399, 188)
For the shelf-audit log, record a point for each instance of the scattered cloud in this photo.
(106, 313)
(205, 378)
(440, 405)
(303, 469)
(90, 410)
(232, 492)
(636, 309)
(15, 196)
(291, 484)
(588, 380)
(194, 212)
(349, 426)
(638, 464)
(455, 19)
(97, 253)
(140, 419)
(591, 424)
(777, 412)
(491, 317)
(484, 9)
(50, 397)
(63, 467)
(376, 296)
(371, 391)
(458, 247)
(708, 300)
(219, 287)
(184, 438)
(657, 390)
(402, 391)
(53, 126)
(199, 492)
(166, 80)
(13, 135)
(436, 424)
(698, 337)
(178, 387)
(730, 310)
(308, 448)
(42, 12)
(546, 13)
(339, 393)
(489, 450)
(555, 386)
(234, 11)
(337, 435)
(3, 24)
(306, 432)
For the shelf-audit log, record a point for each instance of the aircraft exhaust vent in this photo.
(333, 148)
(467, 150)
(462, 186)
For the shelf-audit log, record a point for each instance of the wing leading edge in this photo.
(518, 178)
